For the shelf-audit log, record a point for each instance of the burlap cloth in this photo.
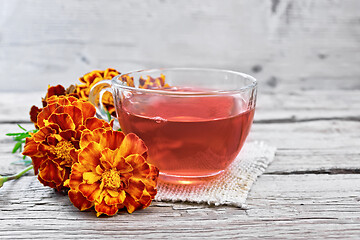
(229, 188)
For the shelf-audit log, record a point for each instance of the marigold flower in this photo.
(80, 91)
(153, 83)
(128, 80)
(58, 90)
(90, 79)
(54, 148)
(112, 173)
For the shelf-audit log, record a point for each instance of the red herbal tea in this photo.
(192, 132)
(188, 136)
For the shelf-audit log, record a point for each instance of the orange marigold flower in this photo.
(112, 173)
(90, 79)
(58, 90)
(80, 91)
(153, 83)
(54, 148)
(128, 80)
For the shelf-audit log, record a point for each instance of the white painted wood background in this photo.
(48, 42)
(305, 54)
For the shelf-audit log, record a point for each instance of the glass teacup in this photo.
(193, 121)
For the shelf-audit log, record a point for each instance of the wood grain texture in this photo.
(305, 55)
(288, 106)
(294, 207)
(299, 196)
(305, 146)
(278, 41)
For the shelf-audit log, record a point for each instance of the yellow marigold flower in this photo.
(112, 173)
(54, 148)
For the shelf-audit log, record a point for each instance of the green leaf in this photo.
(22, 128)
(21, 137)
(16, 147)
(13, 134)
(108, 115)
(2, 180)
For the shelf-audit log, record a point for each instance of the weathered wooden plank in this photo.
(280, 41)
(290, 106)
(338, 135)
(15, 107)
(304, 146)
(319, 206)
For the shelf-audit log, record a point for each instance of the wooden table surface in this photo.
(311, 190)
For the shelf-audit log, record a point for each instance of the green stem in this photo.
(18, 175)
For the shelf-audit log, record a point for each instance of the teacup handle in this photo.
(98, 90)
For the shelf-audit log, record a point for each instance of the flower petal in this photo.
(76, 176)
(145, 200)
(135, 188)
(93, 123)
(112, 139)
(88, 110)
(118, 199)
(99, 170)
(131, 204)
(91, 177)
(107, 158)
(43, 133)
(45, 114)
(49, 184)
(60, 100)
(140, 167)
(68, 134)
(79, 200)
(90, 191)
(74, 154)
(132, 144)
(31, 147)
(112, 193)
(103, 208)
(57, 90)
(151, 181)
(36, 162)
(74, 112)
(34, 112)
(88, 137)
(63, 120)
(50, 171)
(122, 165)
(90, 156)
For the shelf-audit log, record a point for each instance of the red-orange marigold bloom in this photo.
(112, 173)
(54, 148)
(58, 90)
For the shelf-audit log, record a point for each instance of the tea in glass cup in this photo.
(193, 121)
